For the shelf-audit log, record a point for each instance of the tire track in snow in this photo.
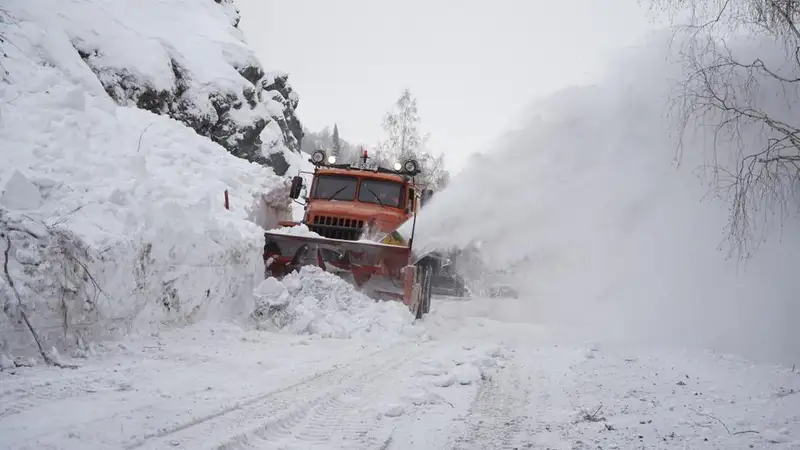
(274, 415)
(328, 421)
(497, 415)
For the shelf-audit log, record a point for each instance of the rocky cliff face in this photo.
(190, 62)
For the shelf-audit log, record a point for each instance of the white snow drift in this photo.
(115, 215)
(585, 202)
(319, 303)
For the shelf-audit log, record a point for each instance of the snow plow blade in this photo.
(287, 252)
(384, 271)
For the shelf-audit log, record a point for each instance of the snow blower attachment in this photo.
(352, 213)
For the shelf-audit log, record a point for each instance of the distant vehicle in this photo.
(445, 280)
(502, 290)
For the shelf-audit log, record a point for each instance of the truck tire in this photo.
(424, 306)
(461, 289)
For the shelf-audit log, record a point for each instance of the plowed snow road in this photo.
(478, 381)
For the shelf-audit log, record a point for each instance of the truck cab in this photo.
(354, 202)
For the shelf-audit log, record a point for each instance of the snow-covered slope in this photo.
(605, 233)
(115, 215)
(184, 58)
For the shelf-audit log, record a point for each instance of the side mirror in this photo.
(426, 195)
(297, 185)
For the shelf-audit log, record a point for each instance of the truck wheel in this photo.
(460, 288)
(424, 306)
(271, 248)
(428, 294)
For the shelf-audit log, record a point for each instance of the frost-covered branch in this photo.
(54, 273)
(10, 281)
(404, 140)
(730, 91)
(719, 421)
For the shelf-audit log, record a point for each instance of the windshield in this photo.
(387, 193)
(335, 187)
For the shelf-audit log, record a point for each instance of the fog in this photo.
(606, 234)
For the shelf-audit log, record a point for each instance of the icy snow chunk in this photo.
(297, 230)
(467, 373)
(27, 256)
(103, 103)
(394, 410)
(75, 99)
(118, 197)
(19, 193)
(445, 380)
(272, 293)
(422, 398)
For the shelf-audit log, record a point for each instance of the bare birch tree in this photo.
(729, 90)
(404, 140)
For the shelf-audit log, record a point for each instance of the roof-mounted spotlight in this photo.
(318, 157)
(332, 159)
(410, 167)
(398, 167)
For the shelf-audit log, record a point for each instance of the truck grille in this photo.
(337, 227)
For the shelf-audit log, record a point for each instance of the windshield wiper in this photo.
(334, 194)
(375, 195)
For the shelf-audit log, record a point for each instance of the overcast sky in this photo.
(472, 64)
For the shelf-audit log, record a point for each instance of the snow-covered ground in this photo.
(464, 378)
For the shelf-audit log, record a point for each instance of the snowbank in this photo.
(115, 215)
(603, 232)
(321, 304)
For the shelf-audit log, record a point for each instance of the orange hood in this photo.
(386, 218)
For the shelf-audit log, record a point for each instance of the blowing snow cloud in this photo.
(607, 233)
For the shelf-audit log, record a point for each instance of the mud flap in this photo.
(410, 290)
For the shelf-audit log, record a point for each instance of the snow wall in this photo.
(115, 216)
(602, 230)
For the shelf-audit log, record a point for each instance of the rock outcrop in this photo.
(242, 107)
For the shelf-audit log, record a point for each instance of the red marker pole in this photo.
(227, 201)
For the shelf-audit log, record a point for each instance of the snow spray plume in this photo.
(604, 232)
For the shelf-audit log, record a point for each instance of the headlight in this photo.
(397, 166)
(318, 156)
(331, 159)
(410, 166)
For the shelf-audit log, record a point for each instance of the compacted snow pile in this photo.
(321, 304)
(585, 204)
(115, 215)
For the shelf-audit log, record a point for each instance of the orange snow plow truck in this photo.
(352, 212)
